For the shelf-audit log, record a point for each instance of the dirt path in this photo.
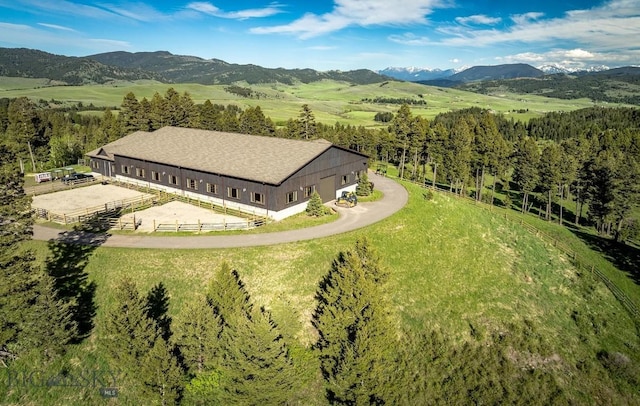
(364, 214)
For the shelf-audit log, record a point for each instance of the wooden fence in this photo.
(106, 210)
(200, 227)
(108, 215)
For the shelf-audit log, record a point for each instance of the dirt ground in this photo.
(68, 201)
(72, 200)
(183, 213)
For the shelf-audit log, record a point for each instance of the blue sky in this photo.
(339, 34)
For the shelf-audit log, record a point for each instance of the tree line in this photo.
(589, 156)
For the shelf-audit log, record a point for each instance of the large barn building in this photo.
(268, 176)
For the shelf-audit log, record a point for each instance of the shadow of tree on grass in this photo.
(624, 257)
(68, 258)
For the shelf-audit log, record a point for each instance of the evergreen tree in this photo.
(356, 336)
(255, 367)
(315, 208)
(161, 374)
(50, 328)
(130, 111)
(199, 338)
(307, 123)
(18, 289)
(525, 168)
(401, 127)
(129, 332)
(550, 174)
(364, 186)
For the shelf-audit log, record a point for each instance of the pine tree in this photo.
(51, 326)
(130, 333)
(364, 186)
(199, 338)
(550, 175)
(315, 208)
(525, 168)
(355, 333)
(254, 364)
(161, 374)
(18, 289)
(307, 123)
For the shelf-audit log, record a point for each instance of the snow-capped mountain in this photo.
(414, 74)
(553, 68)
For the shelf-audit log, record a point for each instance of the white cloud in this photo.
(110, 43)
(526, 17)
(210, 9)
(56, 27)
(611, 26)
(455, 60)
(409, 39)
(357, 13)
(478, 19)
(136, 11)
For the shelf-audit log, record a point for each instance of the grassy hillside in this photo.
(331, 101)
(455, 268)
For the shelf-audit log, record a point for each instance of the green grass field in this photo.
(452, 264)
(330, 101)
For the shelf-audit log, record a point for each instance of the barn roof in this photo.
(258, 158)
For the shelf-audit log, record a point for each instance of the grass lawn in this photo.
(453, 267)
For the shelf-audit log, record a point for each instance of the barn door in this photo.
(327, 188)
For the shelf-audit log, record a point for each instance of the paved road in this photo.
(364, 214)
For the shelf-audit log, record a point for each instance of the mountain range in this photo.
(620, 85)
(415, 74)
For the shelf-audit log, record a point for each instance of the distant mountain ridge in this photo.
(161, 66)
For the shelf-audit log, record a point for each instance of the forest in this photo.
(230, 350)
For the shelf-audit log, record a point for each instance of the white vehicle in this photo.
(43, 177)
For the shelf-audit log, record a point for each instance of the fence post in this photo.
(134, 222)
(154, 225)
(199, 226)
(176, 226)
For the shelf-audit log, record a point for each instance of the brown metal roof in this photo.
(258, 158)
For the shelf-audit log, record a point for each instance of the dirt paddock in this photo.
(73, 200)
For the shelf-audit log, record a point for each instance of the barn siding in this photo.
(334, 161)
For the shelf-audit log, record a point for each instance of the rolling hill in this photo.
(619, 85)
(160, 66)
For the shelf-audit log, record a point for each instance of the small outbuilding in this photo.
(268, 176)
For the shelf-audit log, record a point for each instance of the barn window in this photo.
(345, 179)
(212, 188)
(257, 198)
(95, 164)
(155, 176)
(308, 191)
(140, 172)
(233, 193)
(125, 169)
(173, 180)
(292, 197)
(357, 173)
(192, 184)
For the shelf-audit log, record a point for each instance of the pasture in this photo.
(330, 101)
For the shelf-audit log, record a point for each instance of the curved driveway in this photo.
(364, 214)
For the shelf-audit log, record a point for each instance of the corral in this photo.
(133, 208)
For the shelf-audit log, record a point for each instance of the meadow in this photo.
(330, 101)
(454, 267)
